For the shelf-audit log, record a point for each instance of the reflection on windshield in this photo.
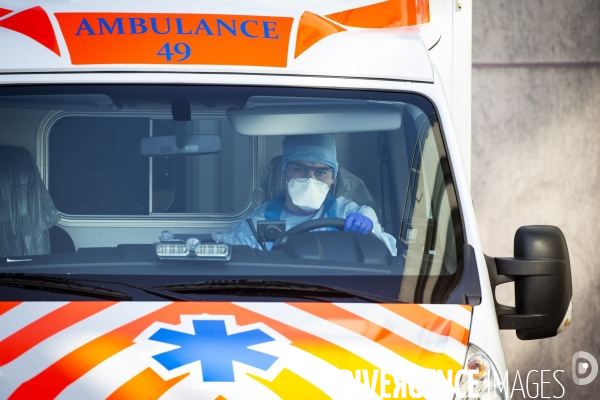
(297, 182)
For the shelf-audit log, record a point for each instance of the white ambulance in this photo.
(251, 200)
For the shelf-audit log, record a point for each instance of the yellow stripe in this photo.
(290, 386)
(340, 358)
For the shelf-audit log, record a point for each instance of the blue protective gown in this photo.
(333, 207)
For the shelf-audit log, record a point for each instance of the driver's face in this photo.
(307, 169)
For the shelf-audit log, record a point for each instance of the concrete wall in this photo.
(536, 158)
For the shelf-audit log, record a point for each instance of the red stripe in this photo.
(34, 23)
(4, 11)
(8, 305)
(50, 324)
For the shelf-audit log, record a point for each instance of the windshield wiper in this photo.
(255, 287)
(61, 286)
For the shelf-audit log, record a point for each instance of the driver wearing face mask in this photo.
(309, 166)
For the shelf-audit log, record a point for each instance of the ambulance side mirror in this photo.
(541, 271)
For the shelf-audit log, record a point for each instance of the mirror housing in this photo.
(541, 270)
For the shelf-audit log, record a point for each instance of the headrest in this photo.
(26, 209)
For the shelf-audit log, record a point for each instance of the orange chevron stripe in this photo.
(430, 321)
(147, 385)
(8, 305)
(466, 307)
(404, 348)
(311, 29)
(49, 383)
(385, 14)
(50, 324)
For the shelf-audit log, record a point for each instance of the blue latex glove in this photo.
(357, 222)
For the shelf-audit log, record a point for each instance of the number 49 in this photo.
(182, 49)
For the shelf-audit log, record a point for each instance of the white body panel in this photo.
(455, 45)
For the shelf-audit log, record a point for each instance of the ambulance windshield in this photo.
(176, 184)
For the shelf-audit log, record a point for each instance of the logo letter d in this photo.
(582, 367)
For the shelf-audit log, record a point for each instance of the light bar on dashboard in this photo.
(192, 250)
(172, 250)
(212, 250)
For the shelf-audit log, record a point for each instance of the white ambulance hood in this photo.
(221, 350)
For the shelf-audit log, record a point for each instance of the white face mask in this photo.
(307, 193)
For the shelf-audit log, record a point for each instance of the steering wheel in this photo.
(308, 226)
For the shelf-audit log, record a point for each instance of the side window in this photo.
(428, 229)
(95, 168)
(431, 220)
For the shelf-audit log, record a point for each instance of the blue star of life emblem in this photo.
(215, 343)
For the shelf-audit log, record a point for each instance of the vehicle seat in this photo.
(26, 210)
(346, 184)
(60, 241)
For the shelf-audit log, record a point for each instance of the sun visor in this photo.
(265, 115)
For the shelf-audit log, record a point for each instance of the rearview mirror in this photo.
(192, 145)
(541, 271)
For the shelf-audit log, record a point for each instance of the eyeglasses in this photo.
(302, 171)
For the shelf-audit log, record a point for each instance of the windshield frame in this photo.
(342, 84)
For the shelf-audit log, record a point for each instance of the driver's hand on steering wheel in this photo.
(359, 223)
